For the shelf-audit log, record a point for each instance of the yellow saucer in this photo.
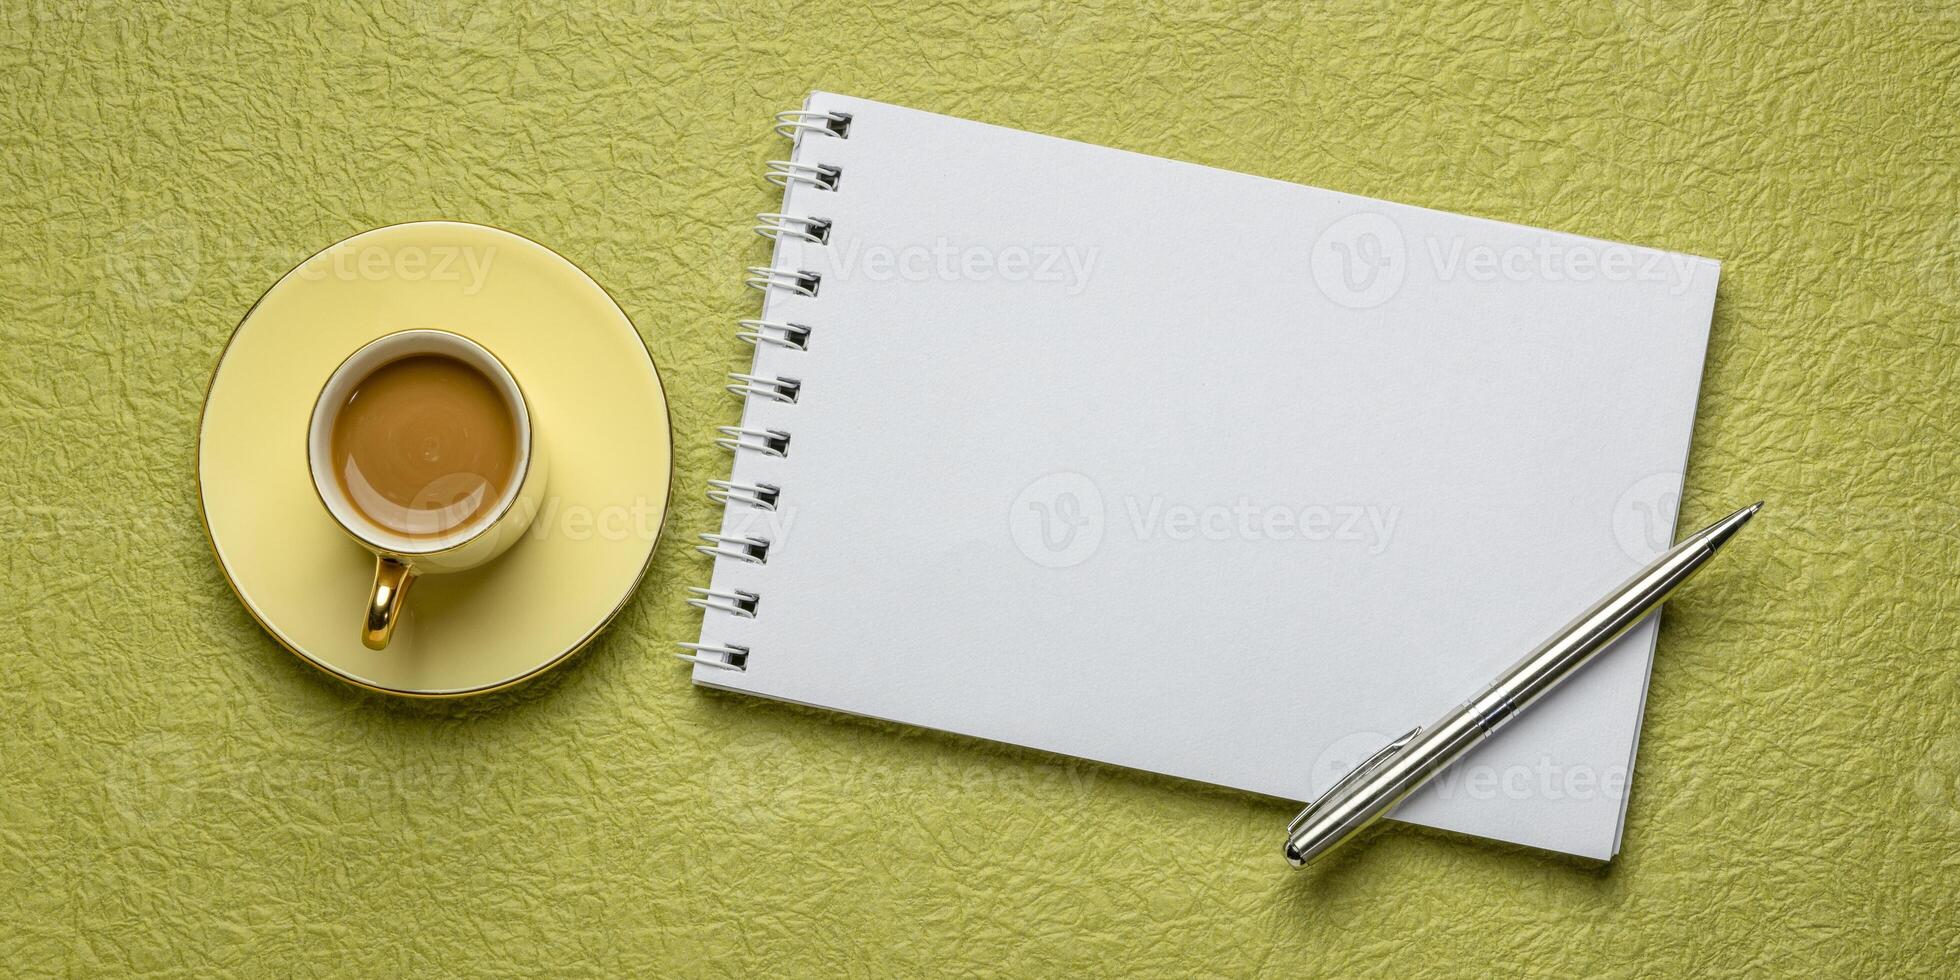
(597, 399)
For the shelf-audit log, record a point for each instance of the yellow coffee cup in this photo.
(425, 450)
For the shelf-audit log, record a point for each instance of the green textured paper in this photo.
(181, 797)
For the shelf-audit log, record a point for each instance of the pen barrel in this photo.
(1371, 795)
(1588, 634)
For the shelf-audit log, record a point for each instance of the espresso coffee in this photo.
(425, 445)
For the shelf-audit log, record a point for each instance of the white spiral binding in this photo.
(736, 603)
(796, 121)
(775, 389)
(821, 176)
(794, 336)
(768, 442)
(747, 547)
(774, 226)
(761, 496)
(800, 282)
(783, 334)
(733, 656)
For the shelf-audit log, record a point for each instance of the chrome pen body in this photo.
(1375, 786)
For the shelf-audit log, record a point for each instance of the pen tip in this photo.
(1718, 533)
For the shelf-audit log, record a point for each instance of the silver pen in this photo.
(1401, 767)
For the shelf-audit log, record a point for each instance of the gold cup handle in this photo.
(384, 609)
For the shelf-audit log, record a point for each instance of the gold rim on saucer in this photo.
(595, 389)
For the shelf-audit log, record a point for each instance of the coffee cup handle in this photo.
(384, 609)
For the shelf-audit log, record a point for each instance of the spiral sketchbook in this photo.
(1190, 471)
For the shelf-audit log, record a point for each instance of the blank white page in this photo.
(1208, 474)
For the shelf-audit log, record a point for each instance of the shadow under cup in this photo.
(477, 529)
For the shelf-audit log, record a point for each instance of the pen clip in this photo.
(1367, 766)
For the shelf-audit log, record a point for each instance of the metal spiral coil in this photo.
(794, 336)
(761, 496)
(797, 121)
(775, 226)
(768, 442)
(747, 547)
(732, 656)
(821, 176)
(736, 603)
(800, 282)
(782, 390)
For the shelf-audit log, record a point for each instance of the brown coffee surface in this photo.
(424, 445)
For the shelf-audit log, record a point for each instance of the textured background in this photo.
(180, 796)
